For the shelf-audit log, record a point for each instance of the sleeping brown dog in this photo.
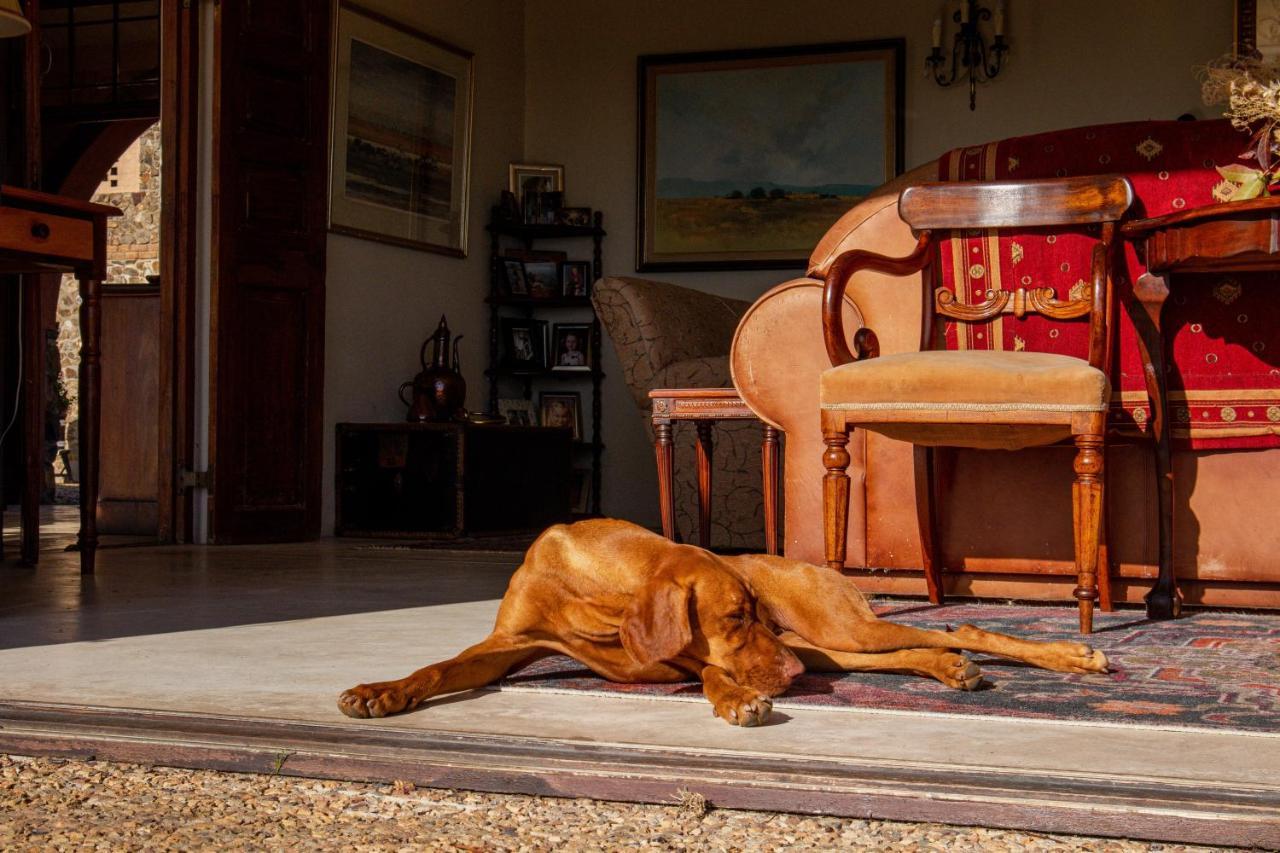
(635, 607)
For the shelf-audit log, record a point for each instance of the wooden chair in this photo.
(978, 398)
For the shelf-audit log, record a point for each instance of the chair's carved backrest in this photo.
(1090, 200)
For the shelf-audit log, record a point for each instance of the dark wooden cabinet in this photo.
(446, 480)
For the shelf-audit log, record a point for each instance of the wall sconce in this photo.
(11, 21)
(970, 56)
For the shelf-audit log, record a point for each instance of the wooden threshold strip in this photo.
(1081, 802)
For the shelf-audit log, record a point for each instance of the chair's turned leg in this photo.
(666, 474)
(769, 464)
(927, 517)
(705, 442)
(1087, 514)
(835, 496)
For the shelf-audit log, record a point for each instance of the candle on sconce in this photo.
(937, 32)
(964, 11)
(1000, 18)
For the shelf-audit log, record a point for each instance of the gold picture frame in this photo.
(744, 161)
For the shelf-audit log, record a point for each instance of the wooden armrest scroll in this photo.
(837, 279)
(1019, 303)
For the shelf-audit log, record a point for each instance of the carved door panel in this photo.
(270, 131)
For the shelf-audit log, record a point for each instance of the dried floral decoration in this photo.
(1250, 88)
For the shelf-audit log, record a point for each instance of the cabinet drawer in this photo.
(42, 233)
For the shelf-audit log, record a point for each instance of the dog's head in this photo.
(696, 608)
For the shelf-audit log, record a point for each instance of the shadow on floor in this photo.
(155, 590)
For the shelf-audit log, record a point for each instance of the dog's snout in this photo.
(792, 666)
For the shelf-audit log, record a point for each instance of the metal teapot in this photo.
(439, 390)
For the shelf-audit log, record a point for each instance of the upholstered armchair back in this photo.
(673, 337)
(656, 326)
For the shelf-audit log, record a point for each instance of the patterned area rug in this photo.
(1211, 669)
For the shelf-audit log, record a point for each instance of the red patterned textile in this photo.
(1224, 370)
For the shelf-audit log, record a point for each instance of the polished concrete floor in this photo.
(277, 632)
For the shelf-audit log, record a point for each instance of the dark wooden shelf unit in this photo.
(498, 374)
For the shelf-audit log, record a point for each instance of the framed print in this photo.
(529, 182)
(543, 278)
(571, 347)
(518, 411)
(1258, 29)
(575, 278)
(563, 409)
(524, 344)
(747, 157)
(517, 284)
(580, 491)
(578, 217)
(400, 157)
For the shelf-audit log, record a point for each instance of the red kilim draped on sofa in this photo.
(1224, 373)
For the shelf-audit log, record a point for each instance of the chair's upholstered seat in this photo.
(969, 398)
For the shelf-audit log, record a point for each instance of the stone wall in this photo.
(133, 253)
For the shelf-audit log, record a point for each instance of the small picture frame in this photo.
(517, 284)
(527, 181)
(575, 278)
(571, 348)
(525, 344)
(543, 278)
(577, 217)
(561, 409)
(549, 204)
(518, 411)
(580, 491)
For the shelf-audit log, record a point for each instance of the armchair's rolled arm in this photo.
(837, 279)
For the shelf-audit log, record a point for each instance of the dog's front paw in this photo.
(372, 700)
(743, 707)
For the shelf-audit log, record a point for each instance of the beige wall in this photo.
(383, 300)
(1073, 62)
(555, 82)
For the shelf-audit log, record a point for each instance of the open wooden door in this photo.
(270, 179)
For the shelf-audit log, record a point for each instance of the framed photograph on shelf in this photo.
(571, 347)
(747, 157)
(518, 411)
(575, 278)
(524, 344)
(400, 155)
(578, 217)
(517, 284)
(529, 182)
(561, 409)
(580, 491)
(543, 278)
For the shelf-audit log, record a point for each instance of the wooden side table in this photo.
(705, 406)
(1239, 236)
(42, 233)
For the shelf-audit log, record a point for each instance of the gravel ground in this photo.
(53, 804)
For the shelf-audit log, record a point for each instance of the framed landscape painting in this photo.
(401, 136)
(747, 157)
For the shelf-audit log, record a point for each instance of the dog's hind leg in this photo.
(483, 663)
(946, 666)
(826, 609)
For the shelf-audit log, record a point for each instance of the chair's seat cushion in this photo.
(972, 398)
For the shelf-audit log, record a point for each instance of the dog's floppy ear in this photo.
(656, 626)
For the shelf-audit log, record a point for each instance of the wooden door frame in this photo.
(179, 133)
